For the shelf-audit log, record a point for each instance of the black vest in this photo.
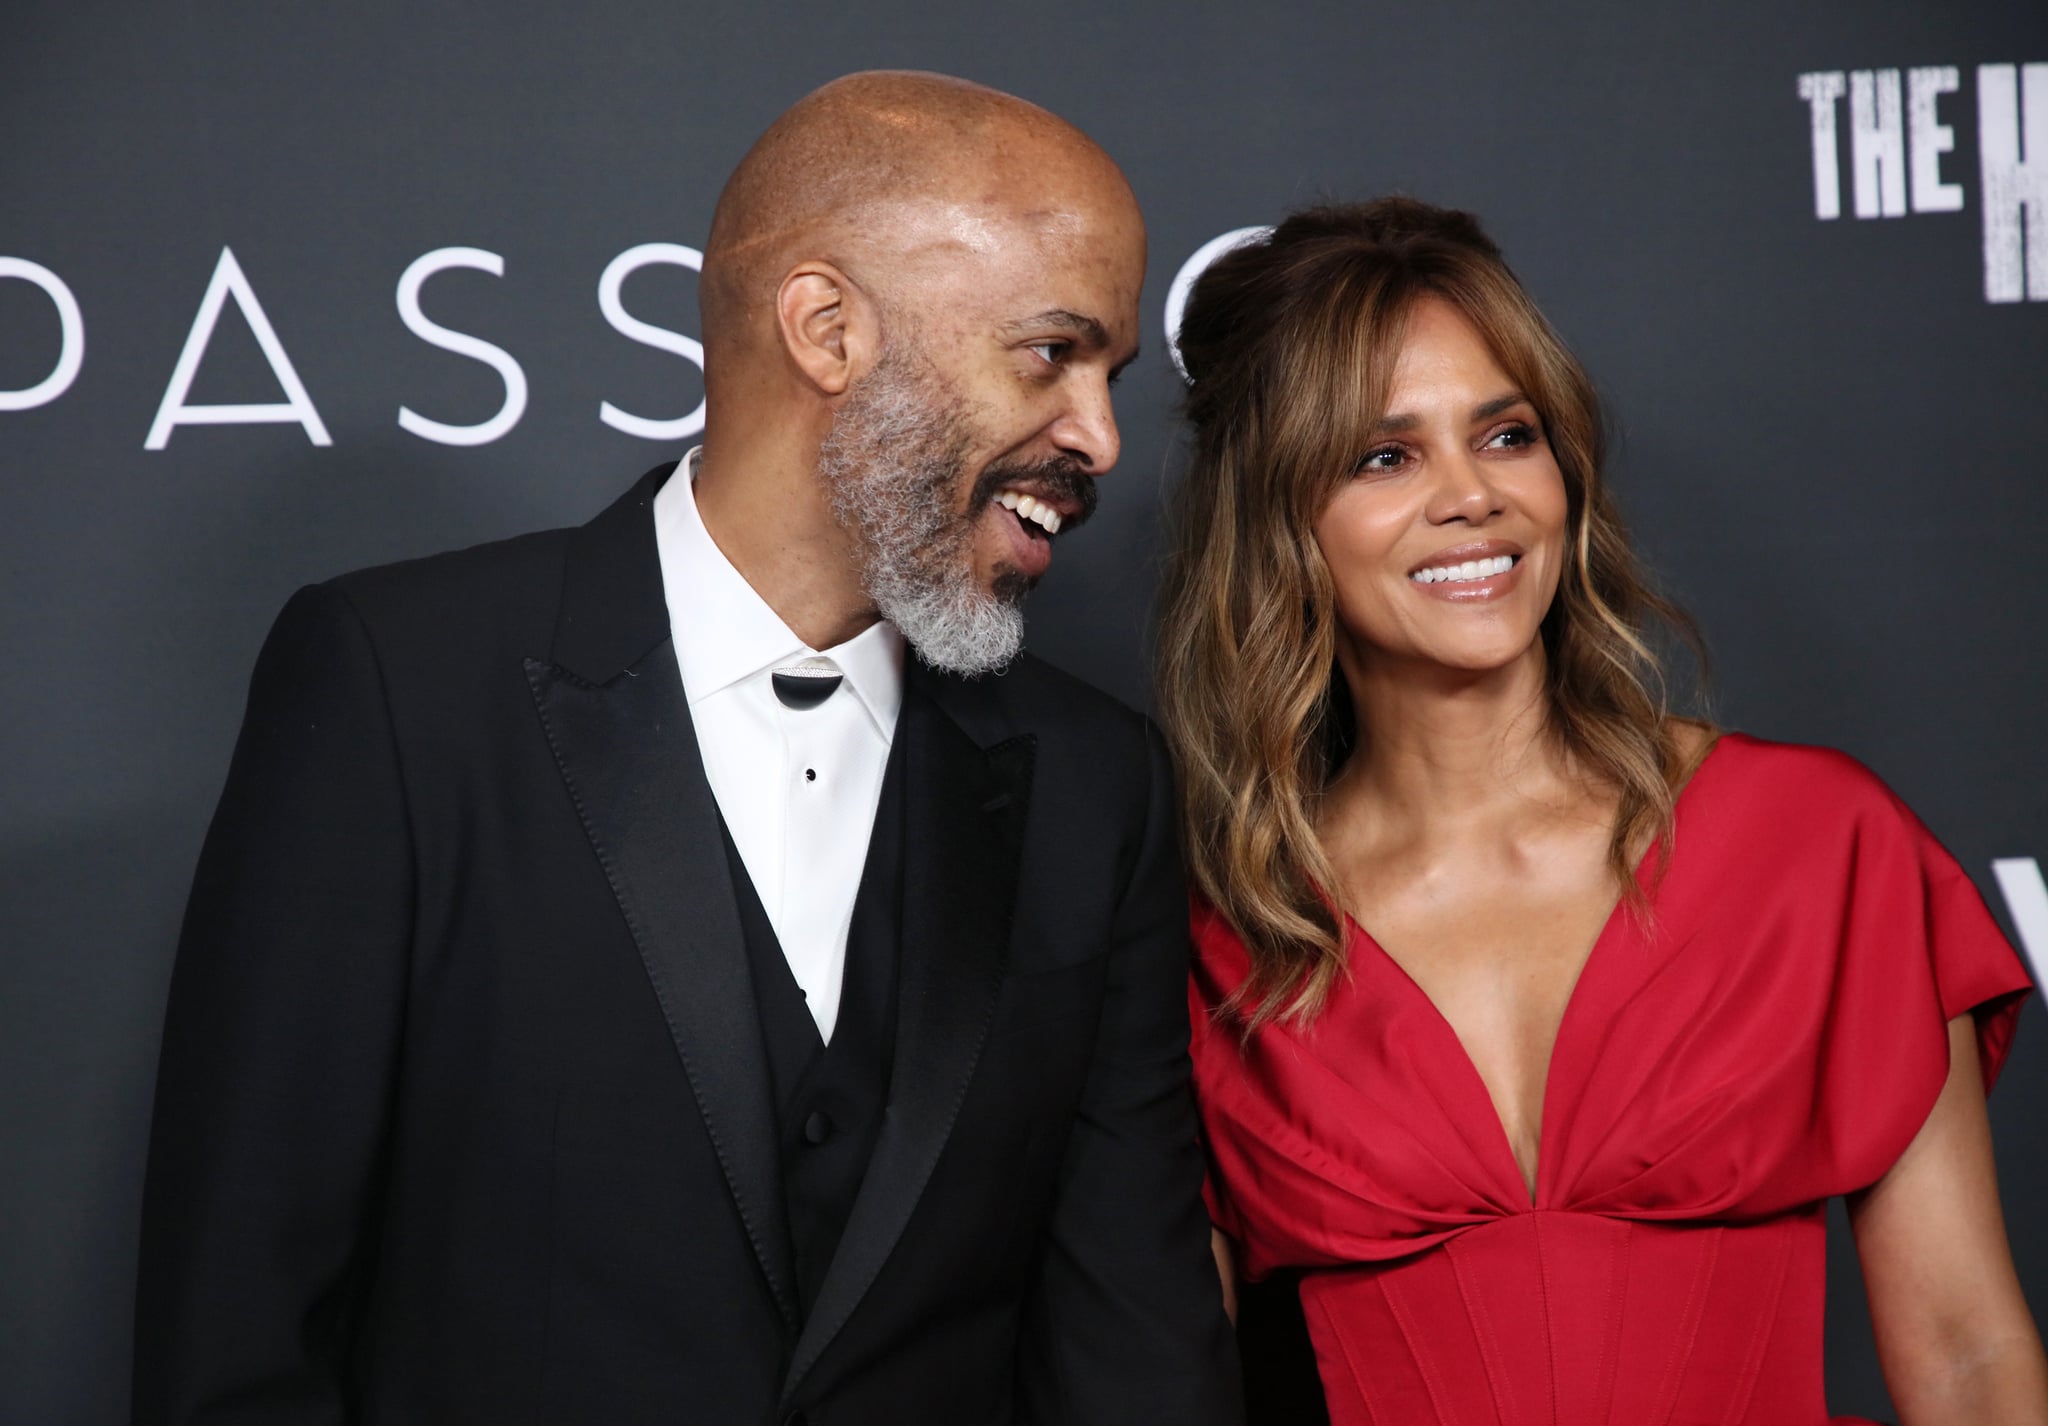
(829, 1098)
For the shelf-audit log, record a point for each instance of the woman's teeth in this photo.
(1466, 572)
(1028, 507)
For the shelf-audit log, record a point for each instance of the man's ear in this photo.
(827, 325)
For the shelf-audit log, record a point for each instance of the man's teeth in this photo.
(1031, 508)
(1466, 572)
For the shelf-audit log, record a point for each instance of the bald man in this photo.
(692, 968)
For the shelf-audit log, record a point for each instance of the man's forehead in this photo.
(986, 223)
(1018, 263)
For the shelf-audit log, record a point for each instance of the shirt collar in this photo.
(725, 632)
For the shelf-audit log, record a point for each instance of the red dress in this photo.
(1773, 1038)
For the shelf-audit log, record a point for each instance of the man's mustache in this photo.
(1060, 479)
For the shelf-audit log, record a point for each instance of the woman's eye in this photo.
(1384, 459)
(1515, 436)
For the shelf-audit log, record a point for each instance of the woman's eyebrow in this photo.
(1403, 420)
(1498, 405)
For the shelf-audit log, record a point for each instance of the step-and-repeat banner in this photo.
(286, 290)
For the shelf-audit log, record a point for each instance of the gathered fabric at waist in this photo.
(1552, 1318)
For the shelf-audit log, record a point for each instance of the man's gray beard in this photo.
(894, 462)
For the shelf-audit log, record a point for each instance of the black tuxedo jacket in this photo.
(464, 1115)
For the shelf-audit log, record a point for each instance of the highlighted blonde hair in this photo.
(1290, 345)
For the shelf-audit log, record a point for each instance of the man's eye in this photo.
(1048, 352)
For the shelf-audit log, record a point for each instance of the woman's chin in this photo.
(1469, 661)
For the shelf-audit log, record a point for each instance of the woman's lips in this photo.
(1468, 574)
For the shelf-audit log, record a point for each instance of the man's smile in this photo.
(1030, 507)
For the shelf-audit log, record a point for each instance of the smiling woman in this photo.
(1292, 345)
(1532, 1024)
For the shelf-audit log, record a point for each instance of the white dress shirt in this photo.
(798, 786)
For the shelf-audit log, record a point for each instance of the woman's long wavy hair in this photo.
(1290, 345)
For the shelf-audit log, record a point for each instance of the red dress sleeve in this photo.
(1917, 948)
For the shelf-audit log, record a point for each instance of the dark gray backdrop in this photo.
(1831, 442)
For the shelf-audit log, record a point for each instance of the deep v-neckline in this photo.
(1533, 1183)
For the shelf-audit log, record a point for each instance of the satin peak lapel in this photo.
(964, 816)
(629, 755)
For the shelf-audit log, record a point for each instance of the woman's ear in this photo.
(827, 326)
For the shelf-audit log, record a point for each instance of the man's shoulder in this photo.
(510, 574)
(475, 579)
(522, 591)
(458, 619)
(1031, 677)
(1043, 695)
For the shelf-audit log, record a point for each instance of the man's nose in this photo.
(1087, 429)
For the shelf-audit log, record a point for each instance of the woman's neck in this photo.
(1445, 753)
